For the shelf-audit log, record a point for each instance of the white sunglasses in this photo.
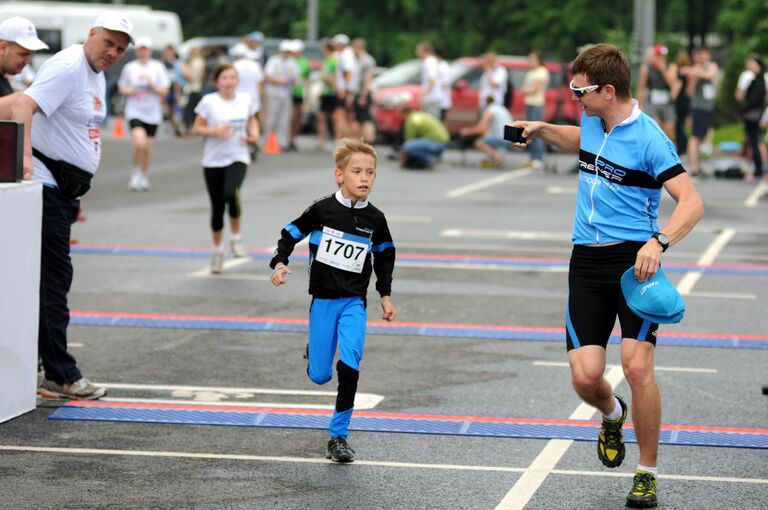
(582, 91)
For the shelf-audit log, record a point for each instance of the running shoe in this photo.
(237, 248)
(643, 493)
(217, 262)
(143, 182)
(610, 443)
(339, 450)
(78, 390)
(134, 184)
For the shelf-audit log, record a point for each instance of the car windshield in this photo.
(407, 73)
(467, 72)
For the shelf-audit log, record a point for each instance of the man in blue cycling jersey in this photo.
(624, 161)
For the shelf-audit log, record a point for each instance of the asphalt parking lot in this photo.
(465, 402)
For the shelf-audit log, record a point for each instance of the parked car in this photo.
(465, 85)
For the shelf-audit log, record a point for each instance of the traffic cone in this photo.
(272, 147)
(118, 131)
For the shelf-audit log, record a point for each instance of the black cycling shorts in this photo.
(150, 129)
(595, 298)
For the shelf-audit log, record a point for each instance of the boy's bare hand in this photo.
(389, 310)
(278, 275)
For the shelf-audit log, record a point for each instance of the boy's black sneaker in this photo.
(339, 450)
(643, 493)
(610, 443)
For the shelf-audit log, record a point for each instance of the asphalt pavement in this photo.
(480, 286)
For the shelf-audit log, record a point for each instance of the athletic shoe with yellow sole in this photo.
(643, 493)
(610, 443)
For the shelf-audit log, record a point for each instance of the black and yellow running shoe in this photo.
(610, 443)
(643, 493)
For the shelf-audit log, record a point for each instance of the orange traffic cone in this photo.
(118, 131)
(272, 147)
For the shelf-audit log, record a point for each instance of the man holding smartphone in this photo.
(624, 161)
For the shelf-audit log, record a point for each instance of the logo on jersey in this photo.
(96, 104)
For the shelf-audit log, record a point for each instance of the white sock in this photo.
(654, 470)
(218, 248)
(616, 413)
(236, 237)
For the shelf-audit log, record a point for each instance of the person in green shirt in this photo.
(302, 63)
(328, 101)
(425, 139)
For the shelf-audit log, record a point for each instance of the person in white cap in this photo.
(144, 82)
(250, 74)
(345, 70)
(18, 40)
(62, 112)
(281, 73)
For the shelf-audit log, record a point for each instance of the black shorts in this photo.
(151, 129)
(702, 120)
(298, 100)
(328, 104)
(363, 113)
(595, 298)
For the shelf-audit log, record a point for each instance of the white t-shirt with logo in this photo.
(446, 101)
(145, 104)
(499, 76)
(431, 72)
(347, 63)
(71, 97)
(217, 111)
(250, 76)
(279, 67)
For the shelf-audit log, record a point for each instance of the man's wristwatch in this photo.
(663, 240)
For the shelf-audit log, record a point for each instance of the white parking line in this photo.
(754, 198)
(386, 464)
(527, 235)
(690, 278)
(223, 395)
(487, 183)
(543, 363)
(228, 264)
(527, 485)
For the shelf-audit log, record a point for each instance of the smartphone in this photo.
(514, 134)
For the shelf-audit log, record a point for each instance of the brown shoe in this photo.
(78, 390)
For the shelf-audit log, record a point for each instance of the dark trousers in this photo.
(752, 129)
(223, 184)
(59, 212)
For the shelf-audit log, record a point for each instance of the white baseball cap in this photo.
(285, 45)
(143, 42)
(22, 32)
(340, 39)
(298, 45)
(117, 23)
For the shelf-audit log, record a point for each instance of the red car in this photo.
(401, 84)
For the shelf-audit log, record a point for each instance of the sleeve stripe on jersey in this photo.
(383, 246)
(295, 232)
(670, 173)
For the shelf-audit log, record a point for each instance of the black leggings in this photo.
(223, 185)
(752, 129)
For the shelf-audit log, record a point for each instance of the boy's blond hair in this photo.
(347, 147)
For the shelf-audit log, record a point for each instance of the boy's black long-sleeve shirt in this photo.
(346, 243)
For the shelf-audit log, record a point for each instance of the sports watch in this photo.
(663, 240)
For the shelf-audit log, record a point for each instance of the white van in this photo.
(60, 25)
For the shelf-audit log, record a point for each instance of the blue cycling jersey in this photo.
(618, 199)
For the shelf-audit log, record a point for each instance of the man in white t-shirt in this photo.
(144, 82)
(494, 81)
(62, 112)
(281, 74)
(431, 93)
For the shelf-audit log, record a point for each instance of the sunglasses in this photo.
(582, 91)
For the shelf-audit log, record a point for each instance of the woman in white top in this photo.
(144, 82)
(227, 120)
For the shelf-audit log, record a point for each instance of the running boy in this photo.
(348, 239)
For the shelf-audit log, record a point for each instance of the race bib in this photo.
(338, 250)
(659, 97)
